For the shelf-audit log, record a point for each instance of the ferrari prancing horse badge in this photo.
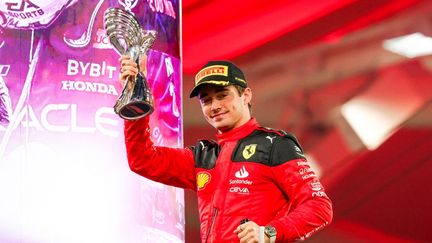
(249, 150)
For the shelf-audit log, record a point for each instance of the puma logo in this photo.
(202, 145)
(271, 138)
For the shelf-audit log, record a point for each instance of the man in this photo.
(253, 184)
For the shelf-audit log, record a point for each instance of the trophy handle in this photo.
(135, 102)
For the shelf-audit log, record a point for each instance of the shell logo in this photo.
(203, 178)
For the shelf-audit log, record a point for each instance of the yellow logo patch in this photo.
(211, 70)
(249, 150)
(203, 178)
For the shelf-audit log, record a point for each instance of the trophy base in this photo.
(135, 110)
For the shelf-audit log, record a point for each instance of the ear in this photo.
(247, 94)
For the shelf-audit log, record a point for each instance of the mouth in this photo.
(218, 115)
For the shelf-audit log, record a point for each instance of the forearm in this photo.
(309, 208)
(304, 220)
(171, 166)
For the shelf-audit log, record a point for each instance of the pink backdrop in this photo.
(63, 170)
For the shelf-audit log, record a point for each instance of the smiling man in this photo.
(254, 184)
(222, 108)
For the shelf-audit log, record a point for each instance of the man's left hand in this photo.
(249, 233)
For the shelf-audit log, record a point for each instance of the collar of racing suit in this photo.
(237, 133)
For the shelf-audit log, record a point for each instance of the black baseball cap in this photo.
(221, 73)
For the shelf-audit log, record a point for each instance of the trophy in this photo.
(127, 37)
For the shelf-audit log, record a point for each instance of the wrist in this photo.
(270, 234)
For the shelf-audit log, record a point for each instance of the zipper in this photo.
(215, 210)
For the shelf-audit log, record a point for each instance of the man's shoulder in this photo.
(205, 152)
(269, 132)
(203, 144)
(272, 147)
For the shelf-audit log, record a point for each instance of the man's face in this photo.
(223, 107)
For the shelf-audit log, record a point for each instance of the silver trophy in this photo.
(127, 37)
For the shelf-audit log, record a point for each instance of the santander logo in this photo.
(242, 173)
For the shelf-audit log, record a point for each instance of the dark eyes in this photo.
(218, 96)
(221, 96)
(205, 101)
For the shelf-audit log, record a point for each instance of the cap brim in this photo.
(196, 89)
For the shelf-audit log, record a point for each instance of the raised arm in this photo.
(171, 166)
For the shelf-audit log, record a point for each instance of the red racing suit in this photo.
(250, 172)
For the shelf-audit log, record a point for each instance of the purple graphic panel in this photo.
(64, 176)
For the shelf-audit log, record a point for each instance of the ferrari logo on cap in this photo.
(249, 150)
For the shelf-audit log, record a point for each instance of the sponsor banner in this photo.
(64, 175)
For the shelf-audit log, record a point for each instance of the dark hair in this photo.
(240, 91)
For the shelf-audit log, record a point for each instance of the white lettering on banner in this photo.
(44, 117)
(169, 66)
(159, 141)
(100, 120)
(89, 87)
(104, 120)
(31, 121)
(128, 4)
(89, 69)
(162, 6)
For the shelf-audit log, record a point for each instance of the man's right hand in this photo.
(128, 68)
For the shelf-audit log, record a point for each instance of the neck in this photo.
(243, 120)
(239, 132)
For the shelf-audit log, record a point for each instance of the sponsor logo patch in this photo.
(240, 190)
(270, 138)
(242, 173)
(211, 70)
(203, 178)
(249, 150)
(316, 186)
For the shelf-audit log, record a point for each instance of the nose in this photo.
(215, 105)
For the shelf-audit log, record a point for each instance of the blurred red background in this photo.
(319, 69)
